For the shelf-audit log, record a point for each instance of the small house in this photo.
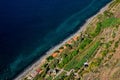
(86, 64)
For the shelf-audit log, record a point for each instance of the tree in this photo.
(49, 58)
(69, 46)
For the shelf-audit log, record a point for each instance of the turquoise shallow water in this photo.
(30, 28)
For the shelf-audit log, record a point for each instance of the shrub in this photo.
(110, 22)
(85, 42)
(67, 58)
(104, 53)
(62, 47)
(97, 30)
(116, 44)
(57, 51)
(61, 76)
(49, 58)
(69, 46)
(78, 61)
(113, 35)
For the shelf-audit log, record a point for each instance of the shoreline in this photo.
(50, 51)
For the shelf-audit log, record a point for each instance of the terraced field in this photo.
(98, 46)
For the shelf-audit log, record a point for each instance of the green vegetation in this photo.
(113, 34)
(90, 52)
(61, 76)
(106, 45)
(116, 44)
(97, 62)
(69, 46)
(57, 51)
(71, 76)
(67, 58)
(117, 1)
(41, 76)
(61, 47)
(97, 30)
(85, 42)
(110, 22)
(49, 78)
(38, 77)
(108, 14)
(53, 63)
(79, 61)
(114, 3)
(49, 58)
(107, 22)
(104, 53)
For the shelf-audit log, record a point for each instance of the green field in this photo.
(79, 60)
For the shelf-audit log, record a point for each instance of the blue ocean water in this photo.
(29, 28)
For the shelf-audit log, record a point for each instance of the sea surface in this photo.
(29, 28)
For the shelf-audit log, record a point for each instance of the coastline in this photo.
(49, 52)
